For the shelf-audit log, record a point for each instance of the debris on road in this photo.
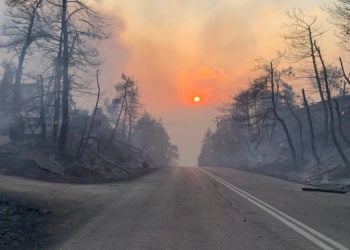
(325, 190)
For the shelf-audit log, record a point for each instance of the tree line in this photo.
(53, 45)
(272, 124)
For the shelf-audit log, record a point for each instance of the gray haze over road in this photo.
(187, 208)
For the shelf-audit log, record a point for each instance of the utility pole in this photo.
(219, 139)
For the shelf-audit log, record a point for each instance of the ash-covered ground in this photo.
(23, 224)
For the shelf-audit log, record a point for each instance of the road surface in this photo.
(187, 208)
(204, 208)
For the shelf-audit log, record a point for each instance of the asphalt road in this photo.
(211, 208)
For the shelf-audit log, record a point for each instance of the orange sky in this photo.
(176, 49)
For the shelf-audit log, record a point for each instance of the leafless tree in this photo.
(302, 31)
(21, 30)
(300, 126)
(346, 76)
(87, 138)
(336, 81)
(5, 86)
(62, 31)
(79, 24)
(311, 127)
(340, 13)
(330, 107)
(340, 123)
(278, 117)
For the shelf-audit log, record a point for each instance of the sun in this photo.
(196, 99)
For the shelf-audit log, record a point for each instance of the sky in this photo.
(177, 49)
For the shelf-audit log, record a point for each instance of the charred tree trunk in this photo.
(330, 107)
(93, 116)
(19, 71)
(312, 135)
(66, 81)
(319, 85)
(57, 91)
(119, 116)
(340, 124)
(81, 142)
(300, 128)
(124, 118)
(346, 77)
(42, 112)
(17, 98)
(130, 125)
(285, 128)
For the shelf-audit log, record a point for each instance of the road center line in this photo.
(312, 235)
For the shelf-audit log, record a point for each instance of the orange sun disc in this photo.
(196, 99)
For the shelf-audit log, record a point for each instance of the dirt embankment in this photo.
(71, 173)
(327, 176)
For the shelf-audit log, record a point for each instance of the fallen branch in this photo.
(324, 190)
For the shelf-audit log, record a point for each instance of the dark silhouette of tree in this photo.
(330, 107)
(340, 123)
(21, 31)
(340, 13)
(300, 37)
(207, 155)
(42, 111)
(278, 117)
(79, 25)
(88, 137)
(6, 86)
(311, 127)
(346, 76)
(153, 139)
(126, 104)
(300, 126)
(335, 80)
